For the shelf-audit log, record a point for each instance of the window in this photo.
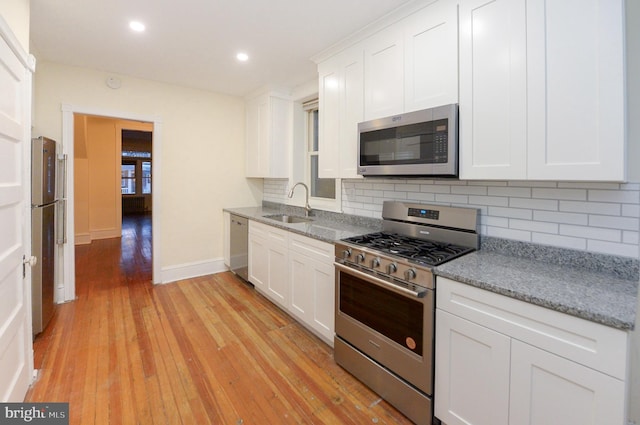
(146, 177)
(136, 173)
(128, 184)
(324, 192)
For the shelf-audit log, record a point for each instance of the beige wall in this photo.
(202, 150)
(16, 14)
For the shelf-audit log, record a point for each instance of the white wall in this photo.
(16, 14)
(203, 151)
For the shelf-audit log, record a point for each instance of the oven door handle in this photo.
(420, 293)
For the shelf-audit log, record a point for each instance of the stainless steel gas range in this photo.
(385, 300)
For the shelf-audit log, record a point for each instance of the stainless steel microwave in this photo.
(420, 143)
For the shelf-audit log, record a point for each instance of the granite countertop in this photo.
(599, 288)
(598, 297)
(325, 227)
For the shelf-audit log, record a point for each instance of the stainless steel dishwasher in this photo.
(239, 246)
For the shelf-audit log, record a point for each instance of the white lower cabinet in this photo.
(472, 372)
(268, 258)
(503, 361)
(296, 273)
(551, 390)
(312, 286)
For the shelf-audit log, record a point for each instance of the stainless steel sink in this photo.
(291, 219)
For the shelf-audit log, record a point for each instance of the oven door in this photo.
(388, 322)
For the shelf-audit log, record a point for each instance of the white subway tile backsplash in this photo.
(535, 204)
(624, 223)
(567, 194)
(613, 248)
(407, 187)
(630, 237)
(533, 226)
(499, 232)
(631, 210)
(469, 190)
(598, 233)
(561, 217)
(423, 197)
(495, 221)
(511, 213)
(622, 196)
(435, 188)
(489, 200)
(558, 240)
(590, 207)
(458, 199)
(517, 192)
(598, 217)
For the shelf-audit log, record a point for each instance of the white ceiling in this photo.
(194, 42)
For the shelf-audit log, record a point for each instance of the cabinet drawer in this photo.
(273, 234)
(318, 250)
(591, 344)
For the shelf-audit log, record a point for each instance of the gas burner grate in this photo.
(422, 251)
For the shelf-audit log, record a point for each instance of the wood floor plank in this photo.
(207, 350)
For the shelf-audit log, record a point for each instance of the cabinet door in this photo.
(493, 114)
(323, 279)
(329, 102)
(342, 105)
(550, 390)
(258, 265)
(257, 137)
(576, 89)
(472, 373)
(431, 56)
(352, 107)
(384, 74)
(301, 288)
(278, 281)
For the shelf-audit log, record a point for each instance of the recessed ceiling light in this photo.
(137, 26)
(242, 57)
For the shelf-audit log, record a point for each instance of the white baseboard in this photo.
(82, 238)
(189, 270)
(105, 233)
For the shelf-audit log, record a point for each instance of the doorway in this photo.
(67, 291)
(113, 188)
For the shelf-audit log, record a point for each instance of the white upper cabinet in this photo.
(413, 64)
(384, 73)
(341, 104)
(542, 90)
(493, 102)
(410, 64)
(431, 59)
(269, 135)
(575, 90)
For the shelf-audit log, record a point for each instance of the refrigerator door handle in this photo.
(61, 222)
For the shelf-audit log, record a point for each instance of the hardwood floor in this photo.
(208, 350)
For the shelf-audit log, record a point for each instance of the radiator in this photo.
(132, 204)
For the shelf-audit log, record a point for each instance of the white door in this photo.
(16, 356)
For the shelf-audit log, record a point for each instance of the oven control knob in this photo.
(410, 274)
(392, 268)
(360, 258)
(375, 263)
(346, 253)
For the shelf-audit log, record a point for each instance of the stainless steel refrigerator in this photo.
(45, 209)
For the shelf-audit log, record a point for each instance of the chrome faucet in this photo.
(307, 208)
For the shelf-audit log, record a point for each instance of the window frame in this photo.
(327, 204)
